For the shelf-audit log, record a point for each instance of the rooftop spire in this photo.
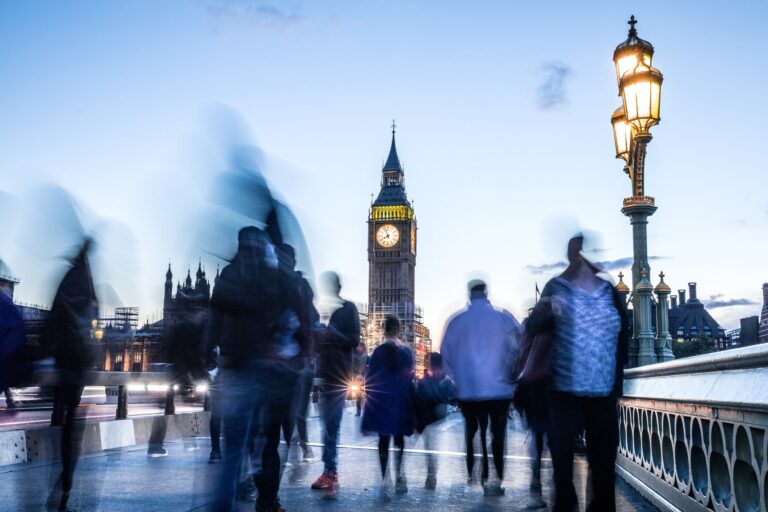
(393, 162)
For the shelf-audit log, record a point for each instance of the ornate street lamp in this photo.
(639, 86)
(640, 90)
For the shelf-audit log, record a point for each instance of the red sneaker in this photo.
(326, 480)
(331, 492)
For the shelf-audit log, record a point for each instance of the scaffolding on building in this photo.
(413, 330)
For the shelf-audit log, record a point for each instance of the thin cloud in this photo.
(261, 12)
(714, 304)
(552, 91)
(607, 265)
(546, 268)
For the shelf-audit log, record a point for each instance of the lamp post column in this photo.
(663, 338)
(638, 209)
(644, 337)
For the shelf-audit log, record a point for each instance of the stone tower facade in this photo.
(392, 242)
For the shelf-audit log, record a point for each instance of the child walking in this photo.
(433, 393)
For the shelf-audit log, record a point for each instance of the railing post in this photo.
(170, 405)
(122, 403)
(207, 400)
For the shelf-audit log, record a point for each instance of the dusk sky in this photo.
(503, 114)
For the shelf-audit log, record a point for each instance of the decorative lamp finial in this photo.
(632, 22)
(622, 287)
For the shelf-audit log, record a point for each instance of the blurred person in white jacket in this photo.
(479, 348)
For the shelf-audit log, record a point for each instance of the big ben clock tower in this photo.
(392, 257)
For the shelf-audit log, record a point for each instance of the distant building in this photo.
(688, 319)
(192, 299)
(763, 332)
(8, 284)
(123, 348)
(33, 314)
(748, 333)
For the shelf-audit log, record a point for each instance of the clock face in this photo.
(387, 235)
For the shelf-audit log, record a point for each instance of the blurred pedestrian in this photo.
(185, 344)
(335, 348)
(215, 406)
(249, 322)
(590, 330)
(67, 334)
(532, 401)
(13, 365)
(479, 349)
(433, 393)
(359, 368)
(299, 357)
(389, 407)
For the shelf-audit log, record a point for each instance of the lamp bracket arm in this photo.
(637, 163)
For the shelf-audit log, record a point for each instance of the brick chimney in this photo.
(692, 291)
(673, 299)
(681, 294)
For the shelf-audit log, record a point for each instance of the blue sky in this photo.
(113, 101)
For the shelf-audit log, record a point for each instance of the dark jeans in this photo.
(303, 389)
(333, 409)
(66, 399)
(477, 415)
(214, 397)
(257, 386)
(599, 417)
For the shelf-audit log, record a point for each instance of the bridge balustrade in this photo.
(693, 431)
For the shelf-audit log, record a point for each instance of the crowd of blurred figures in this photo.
(268, 340)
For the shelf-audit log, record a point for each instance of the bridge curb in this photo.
(40, 444)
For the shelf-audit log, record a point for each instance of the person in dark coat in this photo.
(248, 308)
(389, 406)
(66, 334)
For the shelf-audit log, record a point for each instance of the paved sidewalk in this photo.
(126, 479)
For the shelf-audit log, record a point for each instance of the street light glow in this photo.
(622, 134)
